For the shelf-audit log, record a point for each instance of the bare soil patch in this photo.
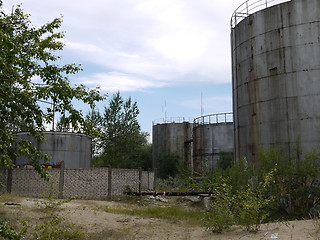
(90, 217)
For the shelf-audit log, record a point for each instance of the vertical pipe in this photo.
(149, 178)
(53, 113)
(247, 7)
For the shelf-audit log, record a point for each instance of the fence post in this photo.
(140, 179)
(109, 181)
(61, 180)
(154, 179)
(149, 178)
(9, 180)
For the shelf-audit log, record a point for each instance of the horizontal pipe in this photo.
(166, 193)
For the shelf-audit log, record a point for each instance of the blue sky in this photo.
(166, 54)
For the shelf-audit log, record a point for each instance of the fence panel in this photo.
(86, 183)
(123, 179)
(93, 183)
(28, 183)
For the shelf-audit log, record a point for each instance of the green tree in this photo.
(168, 164)
(95, 118)
(62, 125)
(122, 144)
(28, 75)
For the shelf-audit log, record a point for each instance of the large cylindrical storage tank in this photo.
(276, 79)
(73, 148)
(172, 137)
(212, 136)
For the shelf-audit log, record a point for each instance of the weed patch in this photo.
(173, 213)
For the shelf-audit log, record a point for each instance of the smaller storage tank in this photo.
(212, 135)
(74, 149)
(172, 135)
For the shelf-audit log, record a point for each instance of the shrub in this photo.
(252, 202)
(7, 231)
(221, 216)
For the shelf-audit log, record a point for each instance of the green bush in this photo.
(252, 203)
(7, 231)
(221, 216)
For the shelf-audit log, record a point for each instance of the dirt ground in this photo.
(91, 218)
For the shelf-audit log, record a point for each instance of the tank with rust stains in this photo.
(74, 149)
(172, 135)
(212, 136)
(276, 78)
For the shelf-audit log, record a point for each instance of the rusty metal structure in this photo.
(172, 135)
(212, 134)
(197, 143)
(275, 76)
(74, 149)
(249, 7)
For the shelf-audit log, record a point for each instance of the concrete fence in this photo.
(94, 183)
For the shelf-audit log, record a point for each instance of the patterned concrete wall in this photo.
(147, 180)
(123, 178)
(3, 180)
(27, 182)
(94, 183)
(85, 183)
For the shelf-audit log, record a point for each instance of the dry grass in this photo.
(172, 213)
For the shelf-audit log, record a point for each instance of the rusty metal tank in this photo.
(212, 135)
(75, 149)
(172, 135)
(275, 75)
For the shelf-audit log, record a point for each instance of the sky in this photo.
(171, 56)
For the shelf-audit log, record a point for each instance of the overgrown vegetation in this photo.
(278, 187)
(50, 224)
(221, 215)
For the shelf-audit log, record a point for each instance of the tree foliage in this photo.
(168, 165)
(29, 75)
(121, 142)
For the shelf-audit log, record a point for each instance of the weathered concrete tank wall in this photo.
(210, 138)
(172, 138)
(73, 148)
(276, 79)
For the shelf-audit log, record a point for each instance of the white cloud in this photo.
(163, 41)
(115, 81)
